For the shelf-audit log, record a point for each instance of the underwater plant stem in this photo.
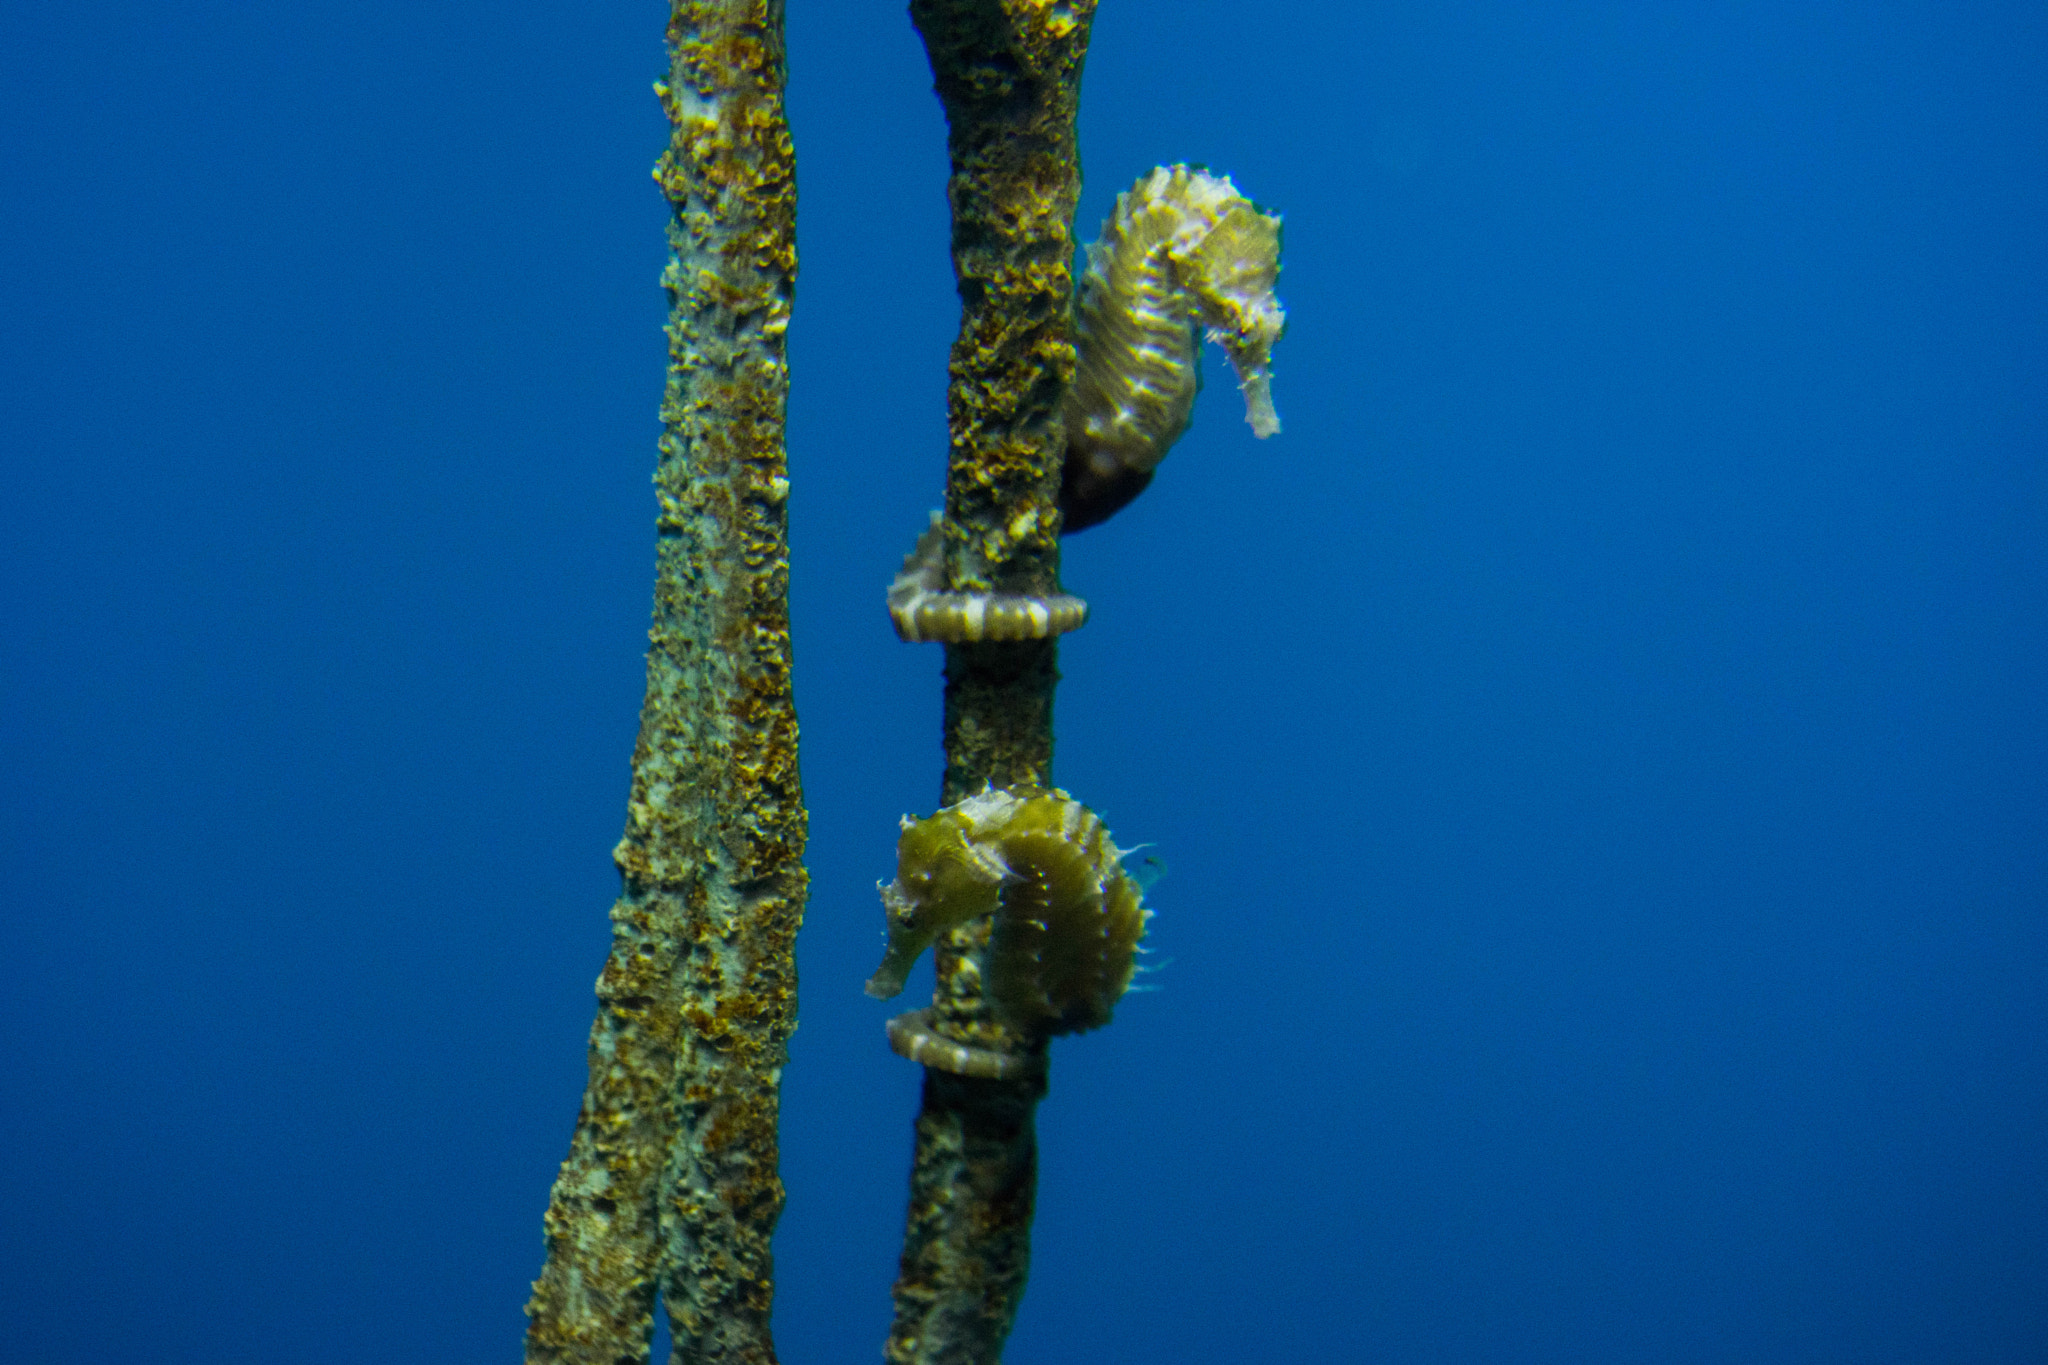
(1008, 73)
(671, 1180)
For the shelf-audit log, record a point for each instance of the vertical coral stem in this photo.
(671, 1183)
(1008, 73)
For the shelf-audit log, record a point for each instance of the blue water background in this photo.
(1600, 749)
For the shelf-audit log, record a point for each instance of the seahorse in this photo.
(1183, 248)
(1067, 918)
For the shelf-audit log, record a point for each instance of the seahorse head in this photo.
(944, 878)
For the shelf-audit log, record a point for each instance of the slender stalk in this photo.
(671, 1184)
(1008, 73)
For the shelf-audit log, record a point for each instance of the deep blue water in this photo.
(1600, 748)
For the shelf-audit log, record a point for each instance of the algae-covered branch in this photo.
(671, 1181)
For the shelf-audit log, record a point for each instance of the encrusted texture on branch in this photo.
(1008, 73)
(671, 1180)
